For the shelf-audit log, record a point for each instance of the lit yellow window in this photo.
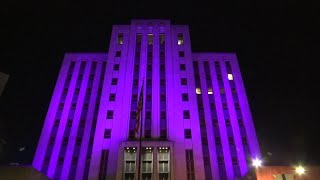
(230, 77)
(210, 91)
(198, 91)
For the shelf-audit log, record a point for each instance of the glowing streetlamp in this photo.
(256, 162)
(300, 170)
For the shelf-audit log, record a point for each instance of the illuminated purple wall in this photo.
(195, 106)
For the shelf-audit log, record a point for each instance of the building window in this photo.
(219, 76)
(224, 105)
(161, 67)
(161, 38)
(69, 123)
(210, 91)
(65, 141)
(240, 121)
(187, 133)
(147, 163)
(118, 53)
(74, 160)
(181, 54)
(190, 165)
(184, 81)
(162, 97)
(182, 67)
(148, 97)
(185, 97)
(149, 81)
(228, 122)
(60, 161)
(236, 106)
(164, 163)
(107, 133)
(180, 39)
(77, 90)
(231, 142)
(136, 67)
(233, 90)
(73, 105)
(150, 39)
(109, 114)
(120, 38)
(148, 115)
(129, 163)
(134, 97)
(78, 141)
(230, 77)
(112, 97)
(215, 122)
(218, 141)
(114, 81)
(162, 82)
(220, 160)
(222, 91)
(212, 106)
(57, 122)
(198, 91)
(135, 81)
(116, 67)
(234, 160)
(186, 114)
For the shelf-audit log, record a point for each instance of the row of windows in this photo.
(150, 39)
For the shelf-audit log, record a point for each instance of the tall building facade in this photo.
(196, 121)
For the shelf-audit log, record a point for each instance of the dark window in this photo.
(215, 122)
(231, 142)
(244, 140)
(74, 160)
(162, 54)
(149, 81)
(77, 90)
(57, 122)
(183, 81)
(185, 97)
(82, 122)
(86, 105)
(162, 82)
(69, 123)
(116, 67)
(236, 105)
(182, 67)
(73, 106)
(186, 114)
(89, 90)
(212, 106)
(118, 53)
(120, 38)
(220, 160)
(65, 141)
(136, 67)
(162, 97)
(112, 97)
(233, 90)
(133, 114)
(135, 81)
(109, 114)
(240, 121)
(234, 160)
(227, 122)
(78, 141)
(148, 97)
(60, 161)
(114, 81)
(148, 115)
(161, 67)
(149, 67)
(219, 76)
(91, 76)
(224, 105)
(163, 133)
(147, 133)
(181, 54)
(187, 133)
(217, 139)
(162, 115)
(134, 97)
(65, 90)
(107, 133)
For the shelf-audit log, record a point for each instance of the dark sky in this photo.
(277, 44)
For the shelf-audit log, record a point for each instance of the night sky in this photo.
(276, 42)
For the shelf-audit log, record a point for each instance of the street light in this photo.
(256, 162)
(300, 170)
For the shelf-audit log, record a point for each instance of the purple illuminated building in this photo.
(196, 118)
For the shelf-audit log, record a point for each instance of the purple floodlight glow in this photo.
(195, 110)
